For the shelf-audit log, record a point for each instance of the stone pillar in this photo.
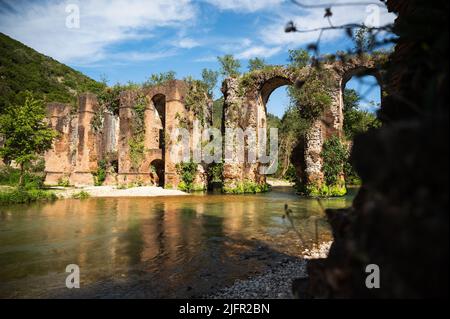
(59, 160)
(87, 157)
(242, 113)
(174, 106)
(127, 101)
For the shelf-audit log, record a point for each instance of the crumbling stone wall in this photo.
(77, 150)
(173, 94)
(245, 108)
(80, 146)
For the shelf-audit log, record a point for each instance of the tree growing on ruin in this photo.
(25, 133)
(256, 64)
(229, 66)
(210, 78)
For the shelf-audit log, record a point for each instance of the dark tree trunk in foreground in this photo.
(399, 221)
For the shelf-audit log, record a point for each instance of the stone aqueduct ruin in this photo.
(80, 147)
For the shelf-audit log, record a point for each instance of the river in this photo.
(167, 247)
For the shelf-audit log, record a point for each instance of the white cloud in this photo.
(103, 23)
(258, 51)
(244, 5)
(187, 43)
(314, 18)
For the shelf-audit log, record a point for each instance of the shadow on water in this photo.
(152, 248)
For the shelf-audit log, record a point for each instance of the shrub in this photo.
(187, 172)
(64, 181)
(335, 156)
(81, 195)
(23, 196)
(100, 174)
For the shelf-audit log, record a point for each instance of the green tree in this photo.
(299, 58)
(356, 121)
(210, 78)
(335, 156)
(229, 66)
(25, 132)
(160, 78)
(364, 40)
(256, 64)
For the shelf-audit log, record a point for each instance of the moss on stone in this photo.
(246, 187)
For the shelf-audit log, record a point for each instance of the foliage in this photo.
(299, 58)
(356, 121)
(334, 155)
(210, 79)
(313, 98)
(33, 178)
(218, 113)
(100, 174)
(81, 195)
(25, 196)
(187, 172)
(197, 99)
(364, 40)
(25, 132)
(109, 98)
(160, 79)
(23, 69)
(247, 187)
(256, 64)
(136, 143)
(229, 66)
(326, 190)
(215, 173)
(64, 181)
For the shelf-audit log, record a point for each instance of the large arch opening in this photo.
(159, 102)
(362, 95)
(158, 166)
(282, 115)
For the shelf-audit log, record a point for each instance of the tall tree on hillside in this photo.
(25, 133)
(229, 66)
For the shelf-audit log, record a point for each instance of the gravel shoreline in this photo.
(111, 191)
(276, 283)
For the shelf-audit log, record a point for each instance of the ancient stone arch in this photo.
(245, 101)
(80, 146)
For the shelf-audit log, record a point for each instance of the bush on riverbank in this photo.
(31, 191)
(33, 179)
(24, 196)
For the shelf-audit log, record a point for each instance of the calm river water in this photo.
(152, 247)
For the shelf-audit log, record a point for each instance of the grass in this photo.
(31, 192)
(81, 195)
(25, 196)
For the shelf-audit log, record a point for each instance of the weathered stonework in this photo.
(245, 107)
(77, 152)
(81, 146)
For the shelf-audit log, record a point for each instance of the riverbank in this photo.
(274, 182)
(276, 283)
(112, 191)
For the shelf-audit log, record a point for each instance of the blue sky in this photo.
(128, 40)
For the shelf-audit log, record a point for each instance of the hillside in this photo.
(22, 68)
